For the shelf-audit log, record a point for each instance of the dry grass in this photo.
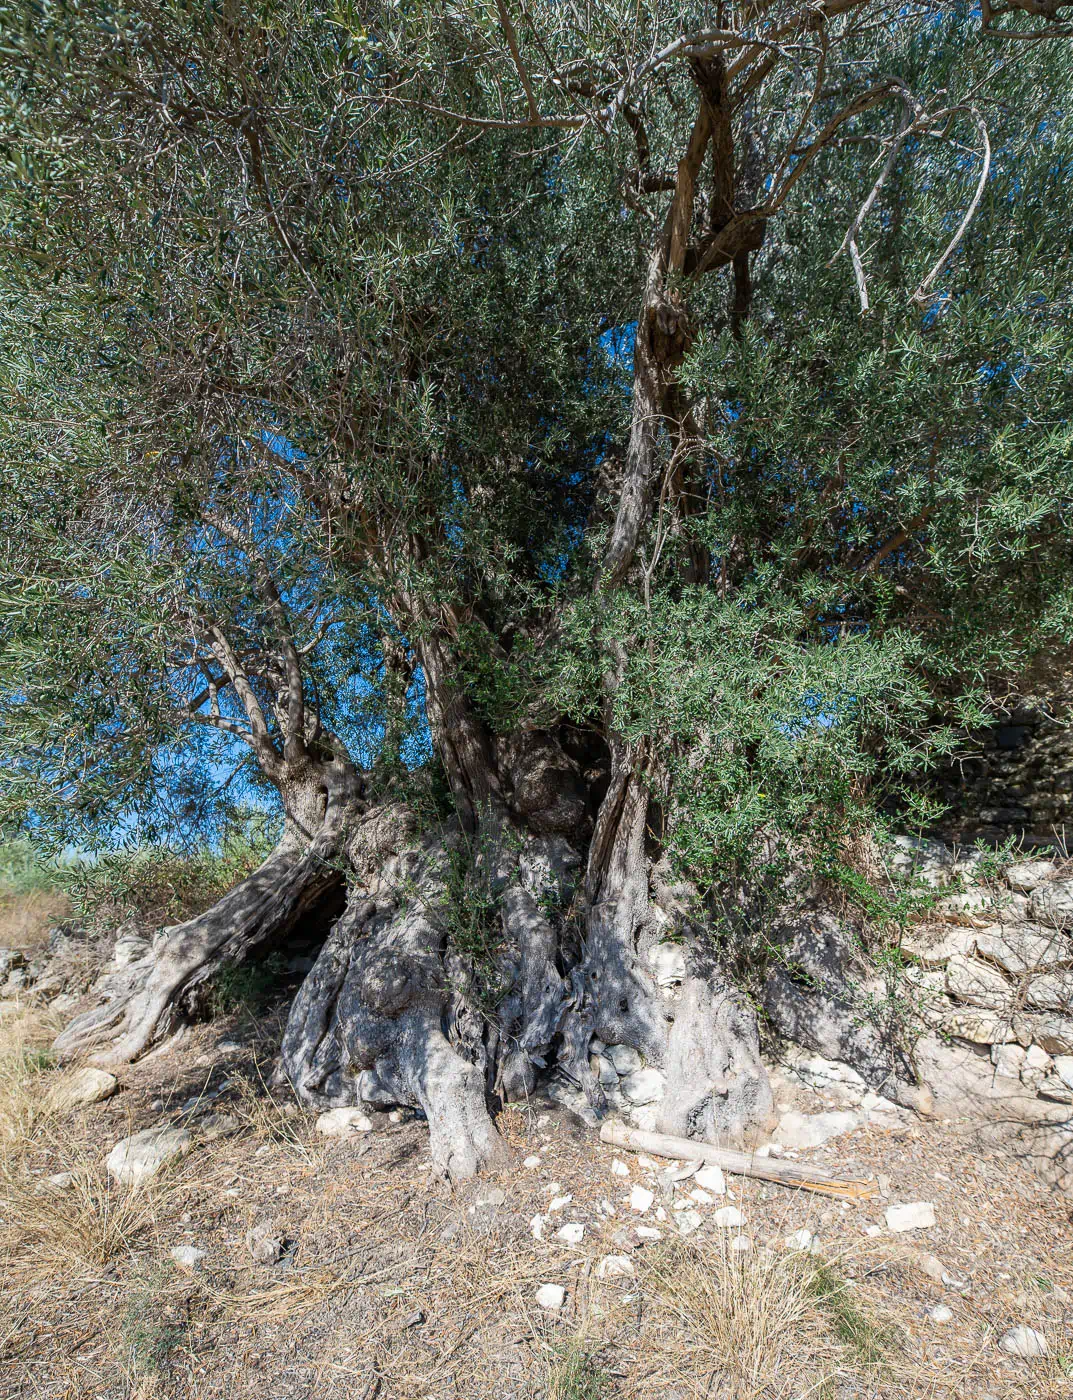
(25, 919)
(25, 1036)
(89, 1221)
(749, 1316)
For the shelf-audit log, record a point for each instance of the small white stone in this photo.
(742, 1243)
(641, 1199)
(536, 1225)
(728, 1217)
(624, 1057)
(531, 1163)
(800, 1240)
(711, 1178)
(648, 1232)
(619, 1168)
(917, 1215)
(551, 1296)
(661, 1214)
(941, 1313)
(615, 1266)
(396, 1115)
(702, 1198)
(187, 1257)
(1024, 1341)
(606, 1208)
(559, 1202)
(651, 1166)
(553, 1188)
(873, 1231)
(688, 1221)
(343, 1122)
(573, 1233)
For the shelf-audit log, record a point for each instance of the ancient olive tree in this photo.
(650, 381)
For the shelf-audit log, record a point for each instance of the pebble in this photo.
(801, 1240)
(742, 1244)
(559, 1202)
(649, 1232)
(702, 1198)
(688, 1221)
(343, 1122)
(641, 1199)
(619, 1168)
(536, 1225)
(941, 1313)
(917, 1215)
(531, 1163)
(264, 1244)
(728, 1217)
(615, 1266)
(551, 1296)
(1024, 1341)
(571, 1234)
(711, 1178)
(186, 1257)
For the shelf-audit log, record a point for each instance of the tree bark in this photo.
(139, 1005)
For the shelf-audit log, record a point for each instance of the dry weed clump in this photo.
(87, 1220)
(754, 1317)
(46, 1226)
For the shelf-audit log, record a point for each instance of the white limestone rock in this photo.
(343, 1122)
(1024, 1341)
(550, 1296)
(1051, 903)
(615, 1266)
(137, 1158)
(915, 1215)
(625, 1058)
(644, 1086)
(1027, 874)
(80, 1089)
(641, 1199)
(803, 1130)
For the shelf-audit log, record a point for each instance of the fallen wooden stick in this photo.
(809, 1178)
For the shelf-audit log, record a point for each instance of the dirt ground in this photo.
(391, 1284)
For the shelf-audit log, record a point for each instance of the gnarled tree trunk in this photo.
(140, 1004)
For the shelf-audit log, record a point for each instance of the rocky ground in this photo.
(240, 1250)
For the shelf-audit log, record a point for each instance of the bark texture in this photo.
(139, 1005)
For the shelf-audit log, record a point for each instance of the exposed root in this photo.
(143, 1003)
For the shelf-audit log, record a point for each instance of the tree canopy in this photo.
(364, 284)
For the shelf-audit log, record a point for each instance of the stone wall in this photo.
(1015, 779)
